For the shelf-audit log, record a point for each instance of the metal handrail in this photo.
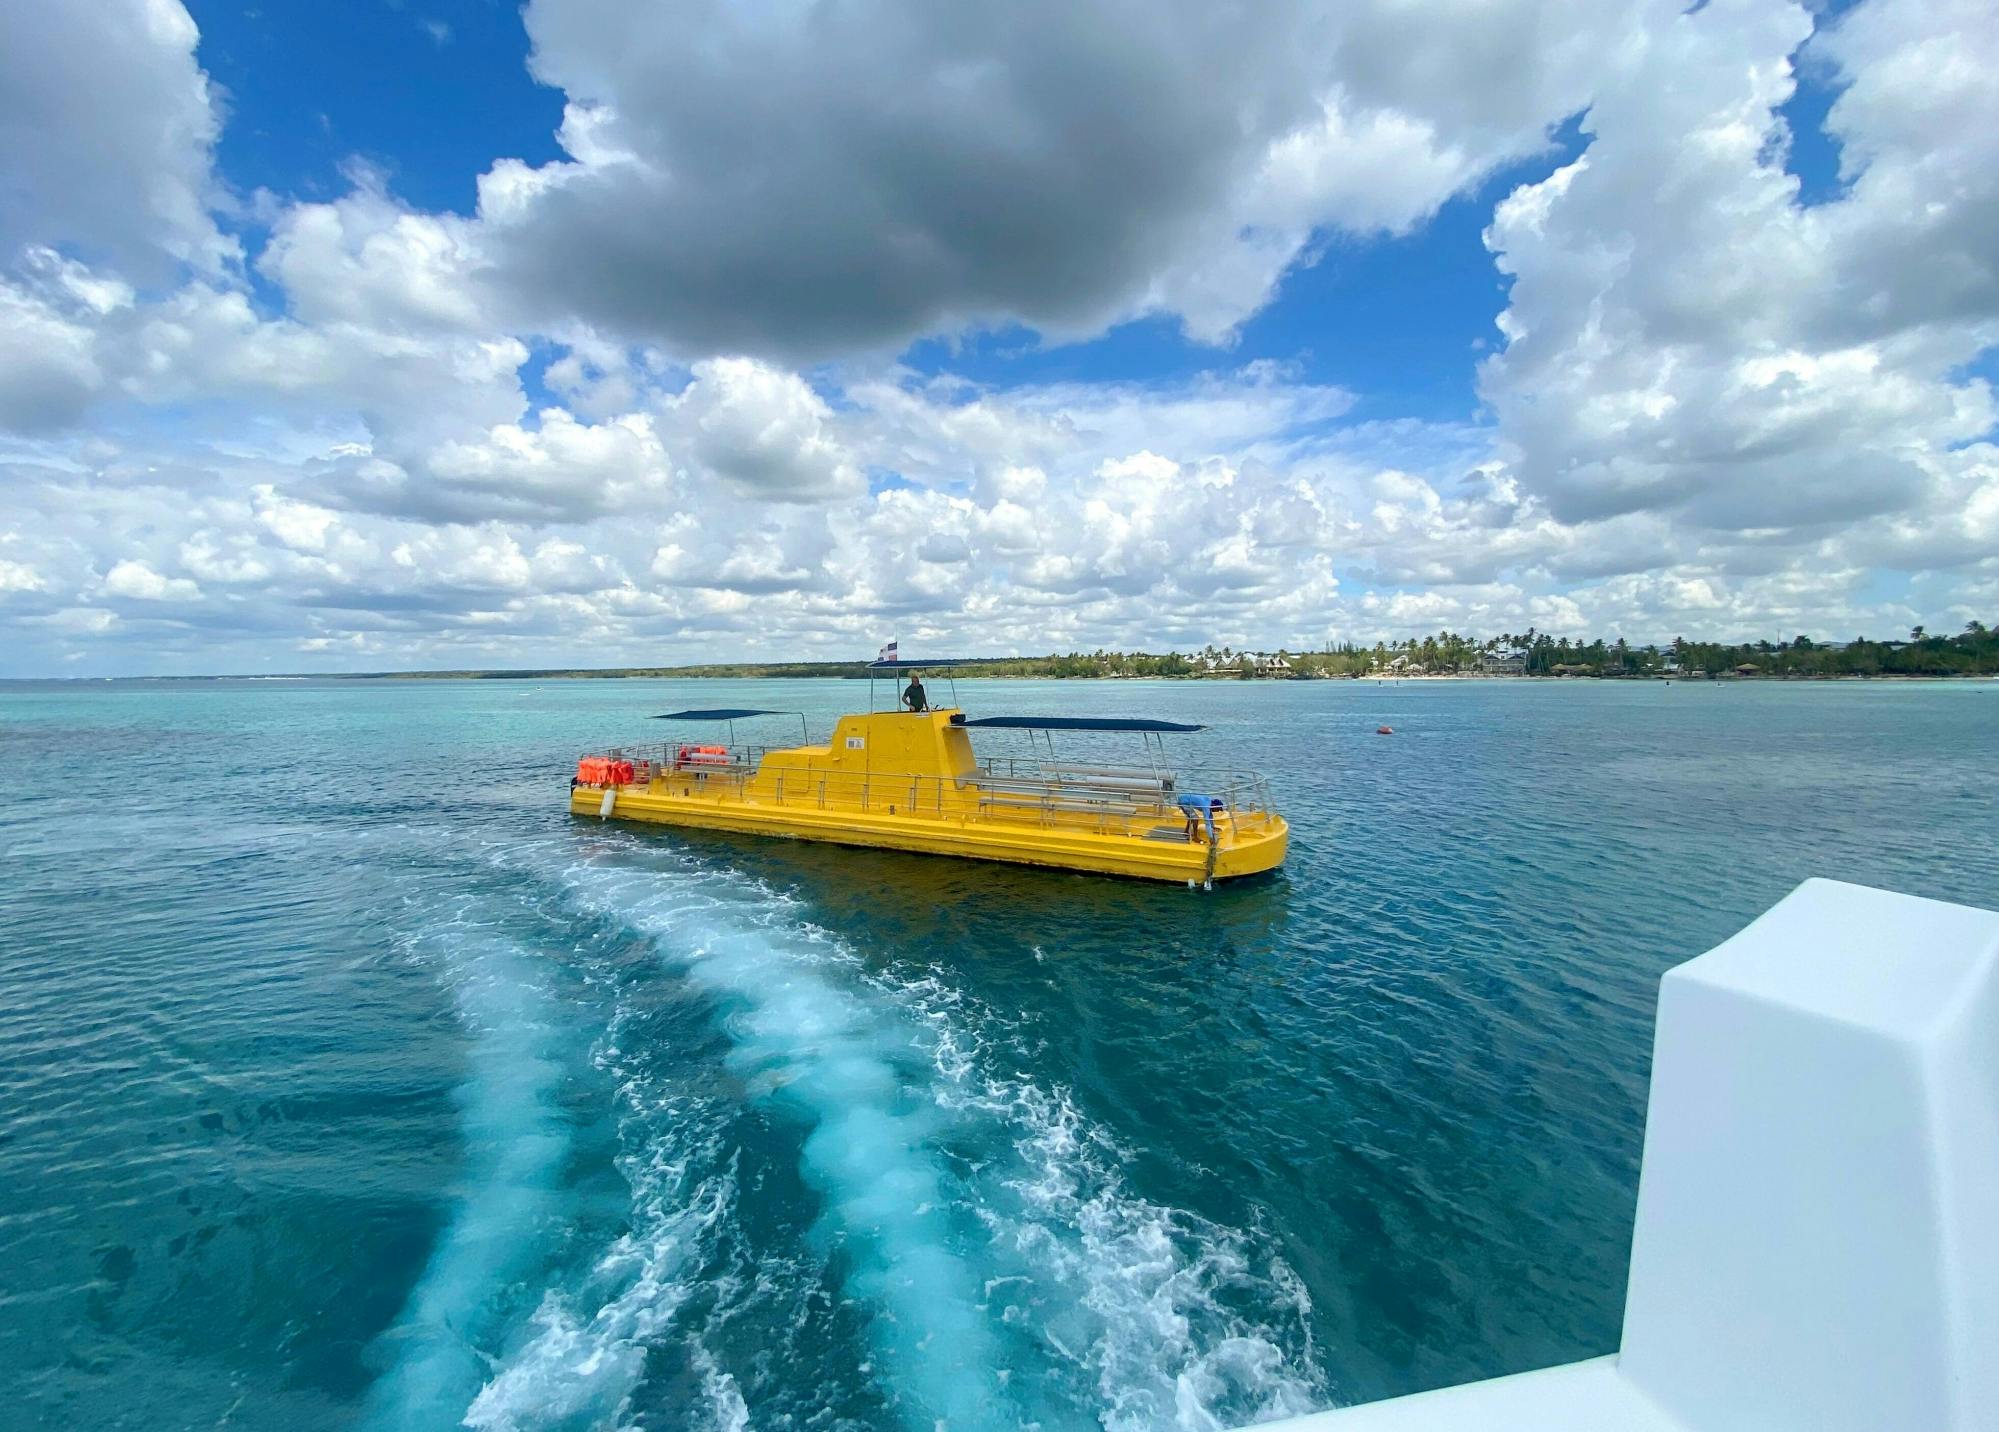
(1000, 790)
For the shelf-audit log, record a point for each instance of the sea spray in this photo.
(515, 1141)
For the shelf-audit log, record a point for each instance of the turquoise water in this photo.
(346, 1081)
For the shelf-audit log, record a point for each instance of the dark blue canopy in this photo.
(932, 663)
(724, 713)
(1077, 723)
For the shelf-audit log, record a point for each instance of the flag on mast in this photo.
(887, 653)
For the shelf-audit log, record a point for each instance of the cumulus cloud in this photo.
(141, 583)
(366, 259)
(559, 469)
(19, 577)
(579, 421)
(48, 367)
(805, 182)
(1684, 336)
(107, 127)
(298, 526)
(764, 432)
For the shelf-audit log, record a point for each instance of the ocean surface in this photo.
(347, 1081)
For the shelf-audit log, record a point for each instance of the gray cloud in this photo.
(106, 129)
(807, 181)
(802, 182)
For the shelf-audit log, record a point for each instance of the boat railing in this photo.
(1130, 800)
(656, 758)
(1242, 791)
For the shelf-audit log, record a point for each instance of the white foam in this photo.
(587, 1353)
(1033, 1287)
(587, 1349)
(515, 1142)
(726, 1408)
(1149, 1301)
(801, 1037)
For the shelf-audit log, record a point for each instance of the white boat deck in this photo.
(1579, 1397)
(1817, 1238)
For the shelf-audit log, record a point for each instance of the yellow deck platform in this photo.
(910, 781)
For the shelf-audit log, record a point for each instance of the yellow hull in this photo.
(1256, 846)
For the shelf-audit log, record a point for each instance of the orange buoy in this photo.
(1384, 730)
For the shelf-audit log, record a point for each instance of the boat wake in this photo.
(801, 1039)
(970, 1227)
(516, 1143)
(586, 1350)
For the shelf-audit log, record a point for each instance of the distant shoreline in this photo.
(979, 674)
(751, 674)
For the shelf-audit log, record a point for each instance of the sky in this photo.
(402, 335)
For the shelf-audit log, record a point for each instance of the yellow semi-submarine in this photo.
(910, 780)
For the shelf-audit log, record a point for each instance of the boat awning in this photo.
(720, 713)
(935, 663)
(1077, 723)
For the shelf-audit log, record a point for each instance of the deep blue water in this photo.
(345, 1080)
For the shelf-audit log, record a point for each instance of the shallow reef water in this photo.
(347, 1081)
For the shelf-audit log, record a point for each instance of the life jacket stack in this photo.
(701, 756)
(603, 771)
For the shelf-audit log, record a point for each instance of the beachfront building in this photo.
(1244, 664)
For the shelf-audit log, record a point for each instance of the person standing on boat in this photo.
(913, 695)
